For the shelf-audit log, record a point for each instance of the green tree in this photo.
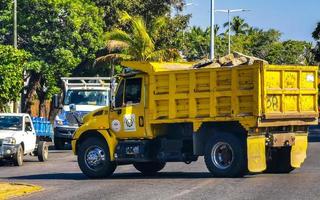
(148, 9)
(59, 34)
(137, 43)
(6, 27)
(12, 63)
(316, 36)
(171, 35)
(197, 43)
(237, 25)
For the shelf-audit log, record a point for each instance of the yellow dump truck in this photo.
(246, 118)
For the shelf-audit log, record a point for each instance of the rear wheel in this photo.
(59, 143)
(279, 160)
(42, 151)
(225, 155)
(18, 157)
(149, 168)
(94, 158)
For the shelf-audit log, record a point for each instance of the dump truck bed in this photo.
(255, 95)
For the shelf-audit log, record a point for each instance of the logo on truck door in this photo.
(115, 125)
(129, 121)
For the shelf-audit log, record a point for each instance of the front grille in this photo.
(64, 130)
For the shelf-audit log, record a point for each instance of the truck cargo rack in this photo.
(99, 83)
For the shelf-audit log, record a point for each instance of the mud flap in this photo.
(256, 152)
(299, 150)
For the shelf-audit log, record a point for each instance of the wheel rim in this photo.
(20, 156)
(46, 152)
(94, 158)
(222, 155)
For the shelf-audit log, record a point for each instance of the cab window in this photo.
(28, 126)
(133, 91)
(119, 95)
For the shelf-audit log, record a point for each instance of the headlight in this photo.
(9, 140)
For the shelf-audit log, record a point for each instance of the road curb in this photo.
(10, 190)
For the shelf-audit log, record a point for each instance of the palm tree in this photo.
(137, 43)
(253, 30)
(238, 25)
(316, 32)
(216, 29)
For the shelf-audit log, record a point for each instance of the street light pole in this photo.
(212, 31)
(228, 11)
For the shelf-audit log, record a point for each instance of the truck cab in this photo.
(18, 138)
(81, 96)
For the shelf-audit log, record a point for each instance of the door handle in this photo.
(141, 121)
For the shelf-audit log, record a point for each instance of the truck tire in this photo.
(18, 157)
(94, 158)
(280, 161)
(59, 143)
(43, 151)
(149, 168)
(225, 155)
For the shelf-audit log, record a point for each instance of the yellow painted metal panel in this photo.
(289, 91)
(299, 150)
(256, 153)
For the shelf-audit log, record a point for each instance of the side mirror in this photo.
(56, 101)
(28, 128)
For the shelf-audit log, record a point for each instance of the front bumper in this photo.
(64, 132)
(7, 151)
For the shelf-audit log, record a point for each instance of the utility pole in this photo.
(15, 35)
(212, 31)
(229, 23)
(15, 42)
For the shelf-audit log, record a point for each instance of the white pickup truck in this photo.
(18, 138)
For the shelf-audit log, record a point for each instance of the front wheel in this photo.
(18, 157)
(225, 155)
(149, 168)
(94, 158)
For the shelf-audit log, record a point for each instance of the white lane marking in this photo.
(184, 192)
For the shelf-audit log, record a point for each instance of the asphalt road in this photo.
(62, 179)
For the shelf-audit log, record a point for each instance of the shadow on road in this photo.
(118, 176)
(314, 138)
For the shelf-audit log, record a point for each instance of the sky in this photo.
(295, 19)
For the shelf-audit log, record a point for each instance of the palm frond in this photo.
(119, 35)
(156, 25)
(112, 57)
(124, 17)
(116, 45)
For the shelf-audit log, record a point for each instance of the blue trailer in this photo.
(43, 128)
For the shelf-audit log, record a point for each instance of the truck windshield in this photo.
(11, 123)
(86, 97)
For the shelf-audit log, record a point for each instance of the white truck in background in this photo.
(18, 138)
(81, 95)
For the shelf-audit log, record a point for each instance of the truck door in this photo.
(127, 118)
(29, 135)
